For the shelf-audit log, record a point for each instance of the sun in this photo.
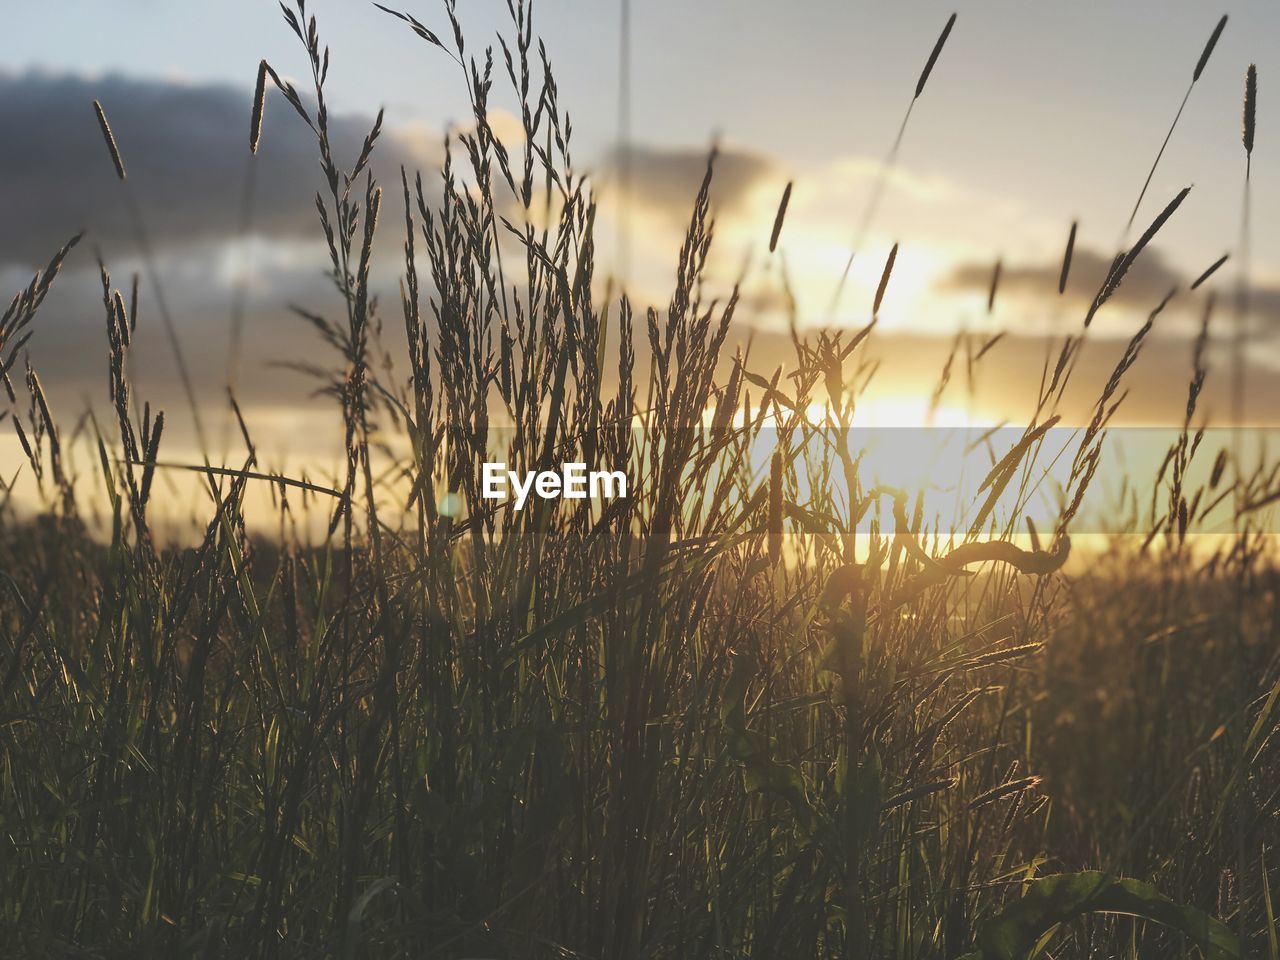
(905, 442)
(876, 410)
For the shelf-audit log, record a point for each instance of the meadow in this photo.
(760, 707)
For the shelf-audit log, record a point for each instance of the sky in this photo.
(1035, 115)
(1056, 108)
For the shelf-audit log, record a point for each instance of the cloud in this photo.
(1007, 380)
(69, 343)
(862, 172)
(1147, 281)
(186, 150)
(666, 179)
(1144, 286)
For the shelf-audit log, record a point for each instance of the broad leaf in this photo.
(1050, 901)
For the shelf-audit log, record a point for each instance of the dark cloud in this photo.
(69, 343)
(667, 179)
(1146, 283)
(186, 150)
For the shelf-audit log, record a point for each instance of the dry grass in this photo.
(740, 713)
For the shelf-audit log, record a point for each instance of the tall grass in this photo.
(743, 712)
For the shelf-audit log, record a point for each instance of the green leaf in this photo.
(1050, 901)
(765, 773)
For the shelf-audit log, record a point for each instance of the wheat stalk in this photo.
(1195, 76)
(886, 168)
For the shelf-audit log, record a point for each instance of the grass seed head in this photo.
(1250, 105)
(1066, 257)
(884, 281)
(109, 137)
(259, 106)
(1208, 48)
(777, 221)
(933, 56)
(1210, 271)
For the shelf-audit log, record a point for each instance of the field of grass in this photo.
(760, 708)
